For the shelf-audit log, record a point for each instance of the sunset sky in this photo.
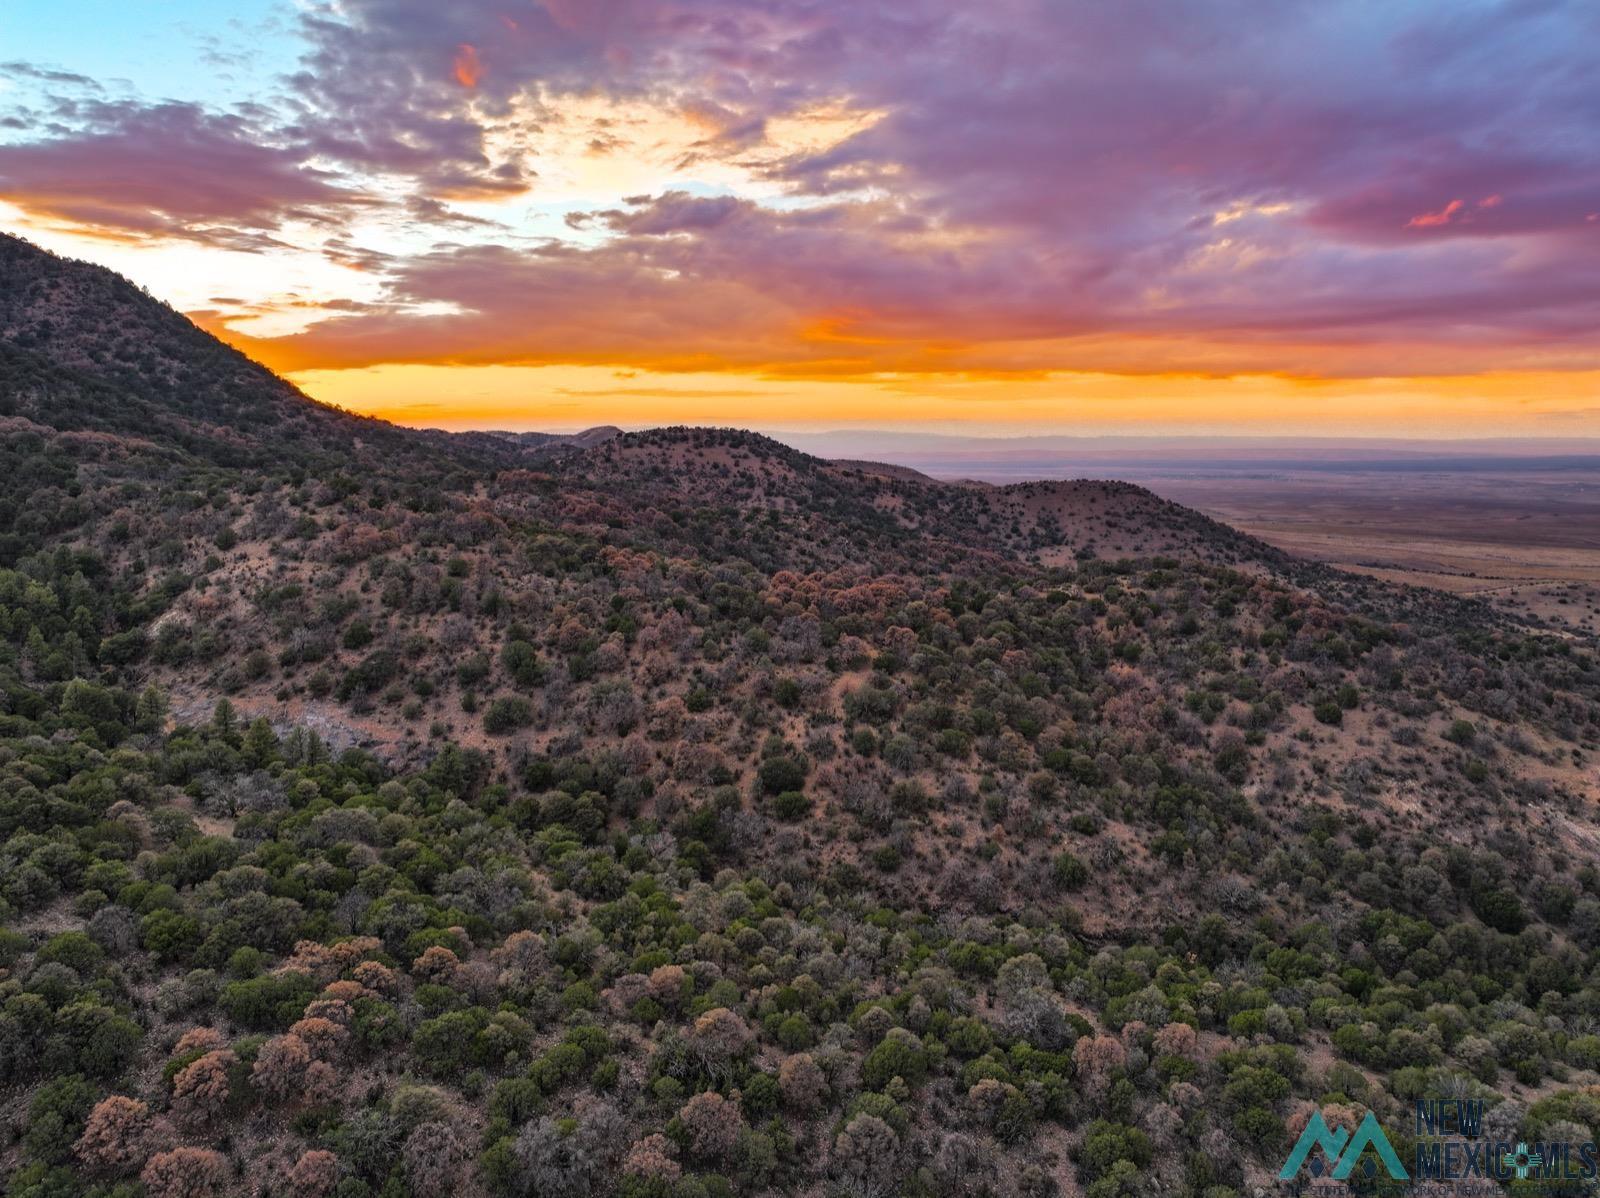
(1276, 216)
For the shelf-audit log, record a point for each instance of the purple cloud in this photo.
(1301, 186)
(169, 170)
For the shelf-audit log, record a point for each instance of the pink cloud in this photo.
(1432, 220)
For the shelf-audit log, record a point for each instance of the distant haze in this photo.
(1013, 459)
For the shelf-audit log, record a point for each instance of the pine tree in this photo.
(224, 722)
(150, 712)
(260, 744)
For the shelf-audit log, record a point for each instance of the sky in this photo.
(1274, 217)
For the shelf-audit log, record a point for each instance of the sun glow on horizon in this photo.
(839, 214)
(566, 398)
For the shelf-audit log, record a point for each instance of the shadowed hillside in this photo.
(83, 349)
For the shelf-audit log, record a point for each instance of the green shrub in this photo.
(1069, 872)
(521, 662)
(790, 805)
(781, 773)
(899, 1054)
(507, 714)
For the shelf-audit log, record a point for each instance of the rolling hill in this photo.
(673, 814)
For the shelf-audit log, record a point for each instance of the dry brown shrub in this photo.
(436, 1156)
(280, 1068)
(652, 1157)
(198, 1039)
(201, 1089)
(436, 964)
(666, 984)
(801, 1083)
(717, 1037)
(185, 1173)
(1097, 1058)
(1176, 1040)
(322, 1036)
(314, 1175)
(376, 977)
(713, 1124)
(115, 1137)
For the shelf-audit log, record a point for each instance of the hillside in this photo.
(675, 815)
(808, 510)
(84, 350)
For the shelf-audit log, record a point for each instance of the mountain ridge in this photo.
(136, 365)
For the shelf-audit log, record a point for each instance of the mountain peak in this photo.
(83, 348)
(92, 320)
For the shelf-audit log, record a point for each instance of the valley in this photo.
(1526, 541)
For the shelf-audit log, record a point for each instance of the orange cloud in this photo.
(468, 66)
(687, 283)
